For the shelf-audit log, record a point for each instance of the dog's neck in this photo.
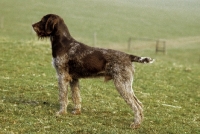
(60, 42)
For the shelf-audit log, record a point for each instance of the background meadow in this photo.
(169, 88)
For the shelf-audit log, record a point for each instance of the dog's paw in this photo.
(59, 113)
(135, 125)
(76, 112)
(146, 60)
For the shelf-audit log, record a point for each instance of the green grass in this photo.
(169, 88)
(29, 100)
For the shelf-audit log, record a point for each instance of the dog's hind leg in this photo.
(76, 98)
(123, 82)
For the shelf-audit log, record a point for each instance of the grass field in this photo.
(169, 88)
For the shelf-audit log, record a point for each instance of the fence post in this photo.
(160, 49)
(95, 39)
(157, 44)
(129, 44)
(164, 47)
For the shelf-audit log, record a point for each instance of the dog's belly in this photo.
(77, 70)
(83, 73)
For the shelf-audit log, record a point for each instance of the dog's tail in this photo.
(141, 59)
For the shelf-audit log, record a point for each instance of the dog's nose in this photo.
(34, 25)
(35, 28)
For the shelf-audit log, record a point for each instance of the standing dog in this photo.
(73, 60)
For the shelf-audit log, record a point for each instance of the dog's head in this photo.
(47, 26)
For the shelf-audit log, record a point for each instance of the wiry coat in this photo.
(73, 60)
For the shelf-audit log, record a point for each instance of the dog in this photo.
(74, 60)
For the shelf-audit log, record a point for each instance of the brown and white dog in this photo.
(74, 60)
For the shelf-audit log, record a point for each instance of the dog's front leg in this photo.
(63, 81)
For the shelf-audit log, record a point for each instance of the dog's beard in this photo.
(42, 35)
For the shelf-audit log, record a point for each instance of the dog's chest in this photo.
(60, 62)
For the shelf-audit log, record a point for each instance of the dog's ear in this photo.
(50, 25)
